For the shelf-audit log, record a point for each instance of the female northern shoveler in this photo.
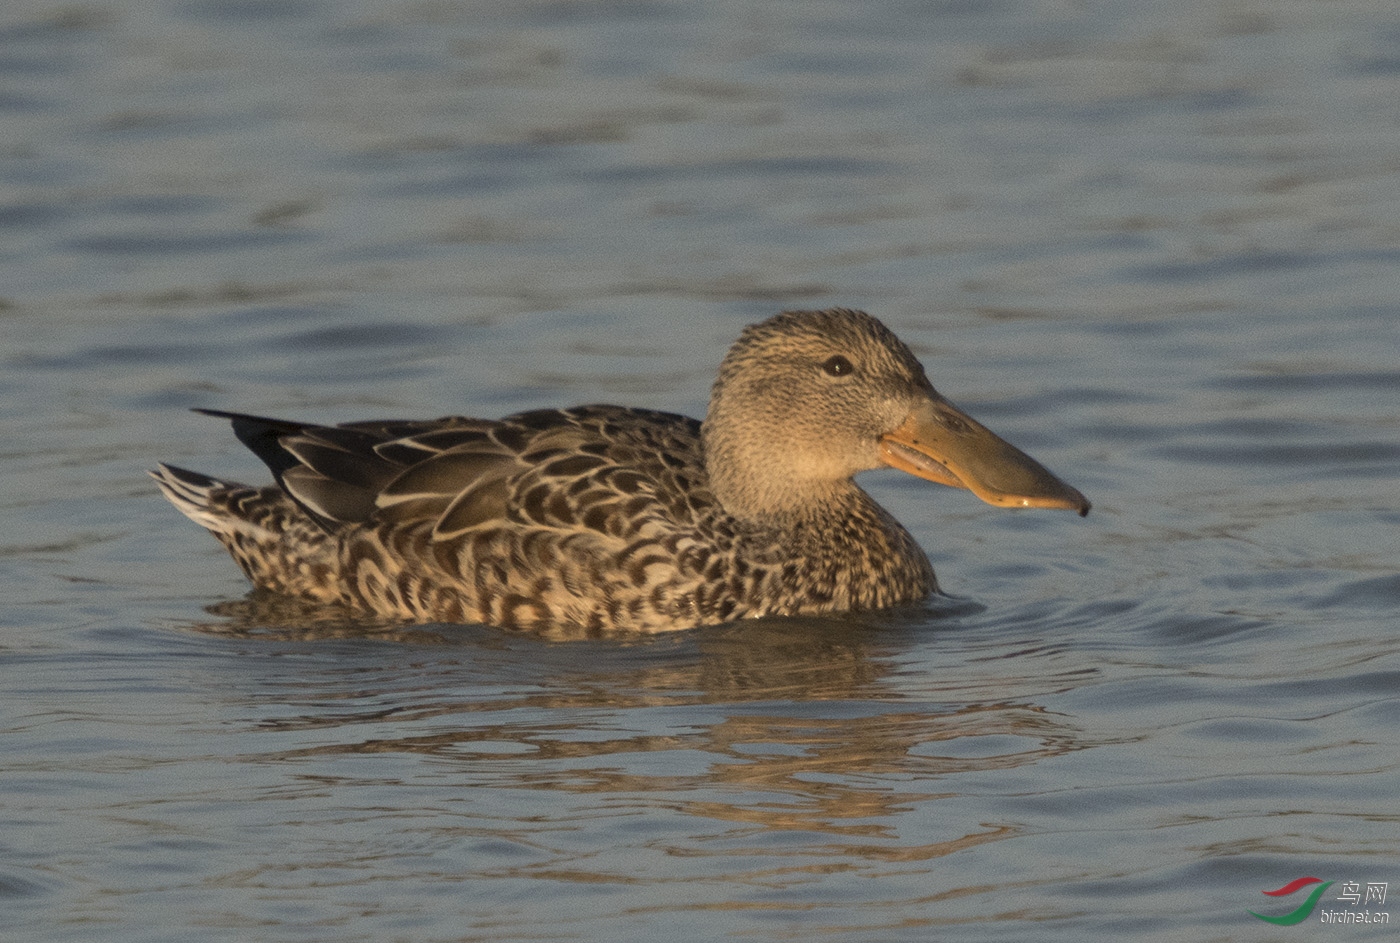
(606, 518)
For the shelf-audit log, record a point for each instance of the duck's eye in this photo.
(838, 366)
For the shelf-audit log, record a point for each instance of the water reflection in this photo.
(765, 728)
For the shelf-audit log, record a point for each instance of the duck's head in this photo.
(807, 399)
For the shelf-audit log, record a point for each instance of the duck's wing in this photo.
(592, 468)
(336, 474)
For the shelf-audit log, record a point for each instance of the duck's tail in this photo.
(191, 493)
(275, 543)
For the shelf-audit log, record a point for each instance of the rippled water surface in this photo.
(1155, 244)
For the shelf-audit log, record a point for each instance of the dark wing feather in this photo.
(348, 460)
(336, 473)
(484, 500)
(332, 472)
(263, 436)
(330, 502)
(598, 468)
(425, 490)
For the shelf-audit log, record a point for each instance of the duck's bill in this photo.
(941, 443)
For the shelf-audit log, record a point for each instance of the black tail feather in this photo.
(264, 437)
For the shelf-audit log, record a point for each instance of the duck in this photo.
(607, 519)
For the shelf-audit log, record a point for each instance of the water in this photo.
(1154, 244)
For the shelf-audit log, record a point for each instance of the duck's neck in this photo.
(755, 484)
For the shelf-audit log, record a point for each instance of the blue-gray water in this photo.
(1156, 244)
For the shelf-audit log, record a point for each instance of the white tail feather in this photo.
(189, 492)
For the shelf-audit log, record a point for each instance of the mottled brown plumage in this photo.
(605, 518)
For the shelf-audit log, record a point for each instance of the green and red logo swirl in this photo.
(1305, 909)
